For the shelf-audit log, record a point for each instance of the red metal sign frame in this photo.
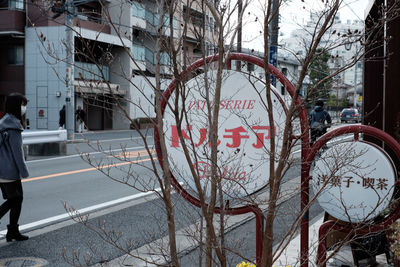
(307, 156)
(304, 129)
(359, 229)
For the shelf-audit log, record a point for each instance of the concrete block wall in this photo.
(42, 76)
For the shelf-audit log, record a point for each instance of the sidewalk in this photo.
(289, 257)
(344, 257)
(154, 252)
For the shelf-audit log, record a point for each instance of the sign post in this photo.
(240, 102)
(362, 174)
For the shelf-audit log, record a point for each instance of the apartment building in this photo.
(113, 64)
(145, 20)
(12, 41)
(348, 84)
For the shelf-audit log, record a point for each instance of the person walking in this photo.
(61, 121)
(80, 117)
(12, 164)
(317, 119)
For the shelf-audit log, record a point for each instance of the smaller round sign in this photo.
(354, 181)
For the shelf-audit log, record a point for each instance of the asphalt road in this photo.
(71, 179)
(139, 218)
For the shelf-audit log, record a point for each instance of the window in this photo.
(16, 4)
(16, 55)
(138, 52)
(138, 10)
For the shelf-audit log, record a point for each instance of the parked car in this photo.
(350, 114)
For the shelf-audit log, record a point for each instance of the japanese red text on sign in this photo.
(232, 138)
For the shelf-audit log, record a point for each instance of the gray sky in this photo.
(293, 14)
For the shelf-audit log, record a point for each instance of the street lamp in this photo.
(355, 85)
(347, 46)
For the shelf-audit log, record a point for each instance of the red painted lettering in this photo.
(251, 104)
(237, 104)
(228, 104)
(175, 135)
(244, 104)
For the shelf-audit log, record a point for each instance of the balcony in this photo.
(139, 55)
(152, 20)
(91, 72)
(165, 62)
(92, 24)
(93, 79)
(12, 16)
(138, 15)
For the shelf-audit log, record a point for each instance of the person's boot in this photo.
(13, 233)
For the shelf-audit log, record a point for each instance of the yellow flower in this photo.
(245, 264)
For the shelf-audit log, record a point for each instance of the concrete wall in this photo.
(120, 74)
(144, 97)
(42, 82)
(120, 13)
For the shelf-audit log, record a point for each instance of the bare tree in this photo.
(192, 129)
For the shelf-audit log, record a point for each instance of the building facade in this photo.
(348, 83)
(107, 56)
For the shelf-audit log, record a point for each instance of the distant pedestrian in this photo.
(61, 121)
(80, 117)
(317, 121)
(12, 164)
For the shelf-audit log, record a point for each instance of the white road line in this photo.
(118, 139)
(333, 141)
(32, 225)
(90, 153)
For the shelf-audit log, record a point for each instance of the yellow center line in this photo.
(131, 154)
(83, 170)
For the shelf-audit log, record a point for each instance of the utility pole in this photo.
(239, 34)
(355, 86)
(273, 48)
(69, 77)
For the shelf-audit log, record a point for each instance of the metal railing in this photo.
(39, 137)
(89, 71)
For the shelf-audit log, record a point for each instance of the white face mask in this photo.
(23, 110)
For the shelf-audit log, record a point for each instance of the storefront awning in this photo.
(95, 87)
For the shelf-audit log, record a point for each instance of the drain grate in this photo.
(23, 262)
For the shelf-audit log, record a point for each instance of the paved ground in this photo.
(48, 245)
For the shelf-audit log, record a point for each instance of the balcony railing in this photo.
(12, 20)
(138, 10)
(165, 61)
(149, 55)
(139, 52)
(89, 71)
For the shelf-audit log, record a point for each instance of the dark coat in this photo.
(80, 115)
(61, 122)
(12, 163)
(320, 115)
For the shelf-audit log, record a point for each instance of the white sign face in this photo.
(244, 133)
(355, 181)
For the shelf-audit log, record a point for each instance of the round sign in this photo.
(244, 132)
(354, 181)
